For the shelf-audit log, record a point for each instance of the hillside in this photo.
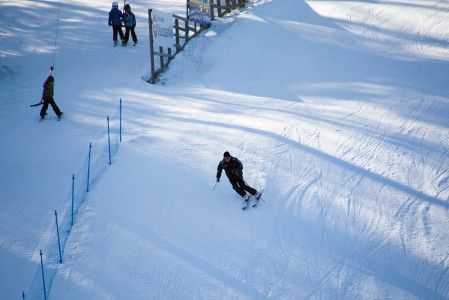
(338, 109)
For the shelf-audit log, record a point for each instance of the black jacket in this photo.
(48, 89)
(233, 168)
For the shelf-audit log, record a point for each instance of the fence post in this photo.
(161, 58)
(88, 166)
(109, 141)
(170, 57)
(120, 120)
(43, 276)
(220, 14)
(59, 241)
(211, 9)
(73, 194)
(186, 27)
(228, 6)
(178, 43)
(150, 27)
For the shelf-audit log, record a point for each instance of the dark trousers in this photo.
(50, 101)
(240, 186)
(117, 29)
(133, 34)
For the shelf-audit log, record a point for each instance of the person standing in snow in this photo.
(130, 23)
(47, 98)
(234, 171)
(115, 20)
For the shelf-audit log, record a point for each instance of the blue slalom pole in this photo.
(109, 142)
(43, 276)
(59, 241)
(88, 167)
(73, 194)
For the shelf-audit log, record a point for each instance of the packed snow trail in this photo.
(338, 109)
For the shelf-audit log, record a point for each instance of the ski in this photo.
(259, 198)
(246, 203)
(42, 118)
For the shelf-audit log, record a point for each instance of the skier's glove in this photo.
(218, 179)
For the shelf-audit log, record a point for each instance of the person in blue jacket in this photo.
(115, 20)
(129, 19)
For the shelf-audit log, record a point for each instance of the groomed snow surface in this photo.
(339, 109)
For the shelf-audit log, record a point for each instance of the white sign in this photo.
(199, 11)
(162, 30)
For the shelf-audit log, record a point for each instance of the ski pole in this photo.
(215, 185)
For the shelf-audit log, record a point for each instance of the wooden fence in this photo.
(184, 31)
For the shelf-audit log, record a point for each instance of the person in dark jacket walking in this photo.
(47, 98)
(115, 20)
(234, 171)
(129, 19)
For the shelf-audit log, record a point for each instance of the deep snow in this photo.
(337, 108)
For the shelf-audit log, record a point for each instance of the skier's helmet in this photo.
(127, 7)
(114, 4)
(50, 78)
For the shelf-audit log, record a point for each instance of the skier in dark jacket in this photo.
(129, 19)
(47, 98)
(234, 171)
(115, 20)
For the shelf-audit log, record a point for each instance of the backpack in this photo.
(129, 19)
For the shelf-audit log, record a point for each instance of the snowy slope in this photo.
(337, 108)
